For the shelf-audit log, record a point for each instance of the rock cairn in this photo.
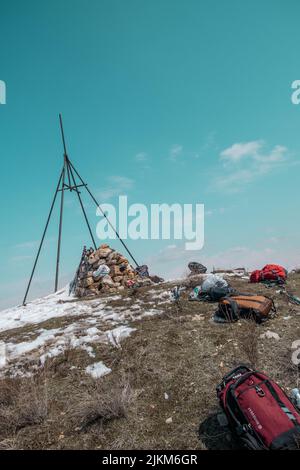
(120, 275)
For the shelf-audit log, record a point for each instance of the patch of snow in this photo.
(163, 302)
(18, 373)
(150, 313)
(110, 316)
(92, 331)
(40, 310)
(162, 295)
(113, 297)
(270, 335)
(89, 350)
(15, 350)
(40, 344)
(116, 335)
(52, 352)
(97, 370)
(78, 342)
(51, 343)
(2, 354)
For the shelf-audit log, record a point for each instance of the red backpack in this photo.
(269, 273)
(259, 413)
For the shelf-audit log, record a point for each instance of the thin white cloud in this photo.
(25, 245)
(255, 150)
(141, 157)
(247, 161)
(175, 151)
(30, 245)
(20, 259)
(210, 212)
(116, 185)
(233, 182)
(209, 143)
(277, 154)
(240, 150)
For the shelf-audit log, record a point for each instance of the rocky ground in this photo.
(134, 370)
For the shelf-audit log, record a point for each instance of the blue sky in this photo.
(165, 101)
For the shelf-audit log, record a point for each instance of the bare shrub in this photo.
(8, 391)
(7, 425)
(23, 403)
(60, 365)
(8, 444)
(32, 405)
(248, 342)
(99, 405)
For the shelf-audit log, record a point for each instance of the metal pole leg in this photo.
(60, 226)
(82, 207)
(42, 240)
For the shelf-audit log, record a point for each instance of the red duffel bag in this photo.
(269, 273)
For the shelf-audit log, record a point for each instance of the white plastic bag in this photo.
(103, 270)
(213, 281)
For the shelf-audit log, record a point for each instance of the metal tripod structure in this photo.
(67, 182)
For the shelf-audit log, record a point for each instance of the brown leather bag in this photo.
(256, 307)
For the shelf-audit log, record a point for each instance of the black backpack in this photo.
(214, 294)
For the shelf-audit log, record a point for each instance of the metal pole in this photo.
(65, 147)
(81, 204)
(62, 134)
(42, 240)
(103, 213)
(60, 225)
(61, 203)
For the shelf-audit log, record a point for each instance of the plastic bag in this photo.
(194, 295)
(213, 281)
(103, 270)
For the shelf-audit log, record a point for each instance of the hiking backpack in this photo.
(271, 273)
(214, 294)
(256, 307)
(258, 411)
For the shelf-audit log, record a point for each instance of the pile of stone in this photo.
(105, 270)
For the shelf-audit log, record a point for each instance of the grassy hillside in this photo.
(161, 387)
